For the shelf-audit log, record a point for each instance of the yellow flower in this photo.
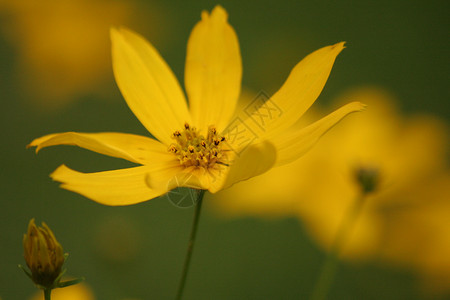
(418, 235)
(404, 221)
(43, 254)
(202, 146)
(406, 152)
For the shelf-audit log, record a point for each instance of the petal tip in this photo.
(205, 15)
(338, 47)
(219, 13)
(56, 175)
(360, 106)
(355, 106)
(119, 32)
(34, 144)
(113, 32)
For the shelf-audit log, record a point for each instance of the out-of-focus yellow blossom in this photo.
(43, 254)
(418, 233)
(79, 291)
(62, 46)
(203, 146)
(406, 153)
(405, 220)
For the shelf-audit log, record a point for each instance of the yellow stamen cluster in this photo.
(193, 149)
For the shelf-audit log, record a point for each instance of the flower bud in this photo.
(43, 254)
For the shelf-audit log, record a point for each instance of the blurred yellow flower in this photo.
(203, 146)
(418, 234)
(79, 291)
(62, 46)
(405, 220)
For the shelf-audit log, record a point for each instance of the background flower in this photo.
(398, 219)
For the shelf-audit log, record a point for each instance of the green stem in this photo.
(190, 247)
(47, 293)
(329, 268)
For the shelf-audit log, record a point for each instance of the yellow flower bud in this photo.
(43, 254)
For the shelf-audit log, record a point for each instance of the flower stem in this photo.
(329, 268)
(200, 194)
(47, 293)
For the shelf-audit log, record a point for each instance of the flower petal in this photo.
(148, 85)
(294, 144)
(301, 89)
(213, 70)
(253, 161)
(135, 148)
(116, 187)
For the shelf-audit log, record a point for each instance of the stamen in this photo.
(193, 149)
(173, 148)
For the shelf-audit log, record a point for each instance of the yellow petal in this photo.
(116, 187)
(213, 70)
(298, 93)
(253, 161)
(294, 144)
(193, 178)
(148, 85)
(135, 148)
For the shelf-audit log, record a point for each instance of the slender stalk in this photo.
(47, 293)
(200, 194)
(330, 265)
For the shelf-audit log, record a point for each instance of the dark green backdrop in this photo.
(400, 45)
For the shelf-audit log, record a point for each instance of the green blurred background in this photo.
(137, 251)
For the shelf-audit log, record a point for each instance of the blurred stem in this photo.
(200, 194)
(330, 265)
(47, 293)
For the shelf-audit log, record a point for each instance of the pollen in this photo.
(193, 149)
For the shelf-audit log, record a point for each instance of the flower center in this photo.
(193, 149)
(368, 179)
